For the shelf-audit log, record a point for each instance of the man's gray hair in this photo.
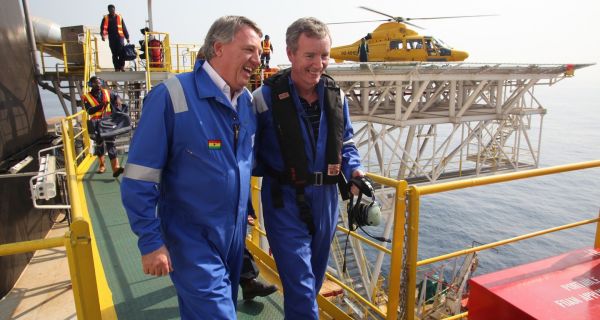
(311, 27)
(223, 30)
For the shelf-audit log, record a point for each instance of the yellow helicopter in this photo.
(393, 41)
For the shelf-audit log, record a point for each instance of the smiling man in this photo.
(187, 179)
(304, 148)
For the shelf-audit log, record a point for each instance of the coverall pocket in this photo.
(206, 183)
(205, 159)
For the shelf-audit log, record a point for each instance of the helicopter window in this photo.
(429, 44)
(414, 44)
(440, 43)
(396, 44)
(431, 47)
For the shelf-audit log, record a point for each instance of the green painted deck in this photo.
(136, 295)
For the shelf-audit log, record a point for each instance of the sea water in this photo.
(458, 219)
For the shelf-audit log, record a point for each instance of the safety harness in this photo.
(289, 134)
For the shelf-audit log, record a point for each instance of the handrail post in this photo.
(255, 194)
(177, 55)
(87, 144)
(87, 60)
(81, 268)
(168, 58)
(69, 150)
(413, 243)
(79, 241)
(148, 64)
(397, 251)
(95, 55)
(65, 59)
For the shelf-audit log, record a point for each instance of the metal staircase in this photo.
(80, 59)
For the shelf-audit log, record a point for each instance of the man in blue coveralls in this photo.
(187, 180)
(304, 145)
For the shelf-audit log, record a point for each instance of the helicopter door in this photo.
(432, 50)
(395, 51)
(416, 50)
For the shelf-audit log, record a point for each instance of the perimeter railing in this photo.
(415, 194)
(77, 240)
(402, 278)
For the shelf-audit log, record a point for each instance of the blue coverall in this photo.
(301, 258)
(187, 185)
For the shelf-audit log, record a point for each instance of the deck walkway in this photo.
(44, 290)
(136, 295)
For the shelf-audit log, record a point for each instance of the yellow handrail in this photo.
(77, 240)
(96, 58)
(183, 51)
(416, 192)
(365, 240)
(458, 316)
(65, 58)
(396, 296)
(503, 242)
(87, 57)
(79, 251)
(31, 245)
(147, 52)
(460, 184)
(413, 242)
(397, 260)
(59, 46)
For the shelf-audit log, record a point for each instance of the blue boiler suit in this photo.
(301, 258)
(186, 185)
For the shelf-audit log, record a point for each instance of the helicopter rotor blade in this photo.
(414, 25)
(405, 20)
(452, 17)
(381, 13)
(364, 21)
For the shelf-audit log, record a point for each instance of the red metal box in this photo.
(562, 287)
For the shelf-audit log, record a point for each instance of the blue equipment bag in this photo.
(129, 52)
(118, 123)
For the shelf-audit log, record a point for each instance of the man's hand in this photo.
(354, 189)
(157, 262)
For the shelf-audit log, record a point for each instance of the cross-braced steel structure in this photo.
(423, 122)
(429, 121)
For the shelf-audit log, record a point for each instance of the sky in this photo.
(524, 31)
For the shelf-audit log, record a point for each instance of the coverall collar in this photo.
(211, 90)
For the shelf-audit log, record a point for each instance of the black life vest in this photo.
(289, 132)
